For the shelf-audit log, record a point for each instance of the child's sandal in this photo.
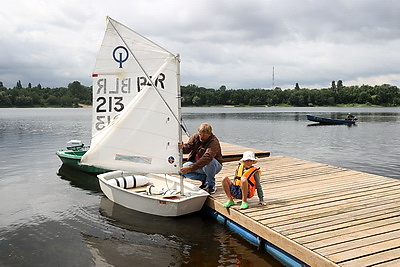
(244, 206)
(229, 203)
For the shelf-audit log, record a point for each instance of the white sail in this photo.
(142, 141)
(117, 77)
(144, 138)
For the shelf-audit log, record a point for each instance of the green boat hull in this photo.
(72, 158)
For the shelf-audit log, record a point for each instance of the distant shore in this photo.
(223, 106)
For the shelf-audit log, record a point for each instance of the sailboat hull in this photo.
(139, 198)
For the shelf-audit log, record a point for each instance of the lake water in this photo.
(54, 216)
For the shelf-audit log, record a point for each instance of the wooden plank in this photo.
(336, 198)
(340, 221)
(291, 204)
(384, 258)
(305, 214)
(361, 239)
(387, 263)
(283, 161)
(342, 231)
(331, 198)
(364, 251)
(341, 238)
(137, 189)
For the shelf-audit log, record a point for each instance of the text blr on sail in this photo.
(111, 93)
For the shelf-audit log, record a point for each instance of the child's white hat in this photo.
(249, 155)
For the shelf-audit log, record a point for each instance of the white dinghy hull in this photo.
(157, 204)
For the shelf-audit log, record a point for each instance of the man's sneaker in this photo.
(203, 184)
(211, 190)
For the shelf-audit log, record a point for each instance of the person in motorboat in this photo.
(350, 117)
(205, 157)
(245, 183)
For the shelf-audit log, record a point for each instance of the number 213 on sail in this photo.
(107, 104)
(114, 104)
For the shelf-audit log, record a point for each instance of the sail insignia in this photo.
(136, 159)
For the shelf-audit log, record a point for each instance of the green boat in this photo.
(72, 157)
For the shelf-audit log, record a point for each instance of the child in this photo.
(246, 181)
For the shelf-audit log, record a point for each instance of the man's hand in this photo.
(185, 169)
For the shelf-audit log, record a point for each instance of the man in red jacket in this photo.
(205, 157)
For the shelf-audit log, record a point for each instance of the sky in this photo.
(236, 43)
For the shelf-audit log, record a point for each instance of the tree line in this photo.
(192, 95)
(382, 95)
(36, 96)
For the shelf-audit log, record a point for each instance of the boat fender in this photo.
(131, 181)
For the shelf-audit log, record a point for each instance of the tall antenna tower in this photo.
(273, 77)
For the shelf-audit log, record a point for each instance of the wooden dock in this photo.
(320, 214)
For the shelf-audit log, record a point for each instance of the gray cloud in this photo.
(233, 43)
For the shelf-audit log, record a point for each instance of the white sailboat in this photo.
(142, 142)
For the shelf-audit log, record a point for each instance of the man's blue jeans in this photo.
(207, 173)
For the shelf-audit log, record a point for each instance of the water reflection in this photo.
(112, 252)
(290, 114)
(47, 243)
(197, 239)
(278, 116)
(333, 125)
(80, 179)
(147, 223)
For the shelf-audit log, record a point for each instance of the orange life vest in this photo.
(249, 174)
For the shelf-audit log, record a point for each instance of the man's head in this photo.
(205, 131)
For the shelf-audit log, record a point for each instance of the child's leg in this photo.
(245, 188)
(226, 185)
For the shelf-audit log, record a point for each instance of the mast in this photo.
(178, 77)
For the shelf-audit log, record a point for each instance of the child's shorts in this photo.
(236, 191)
